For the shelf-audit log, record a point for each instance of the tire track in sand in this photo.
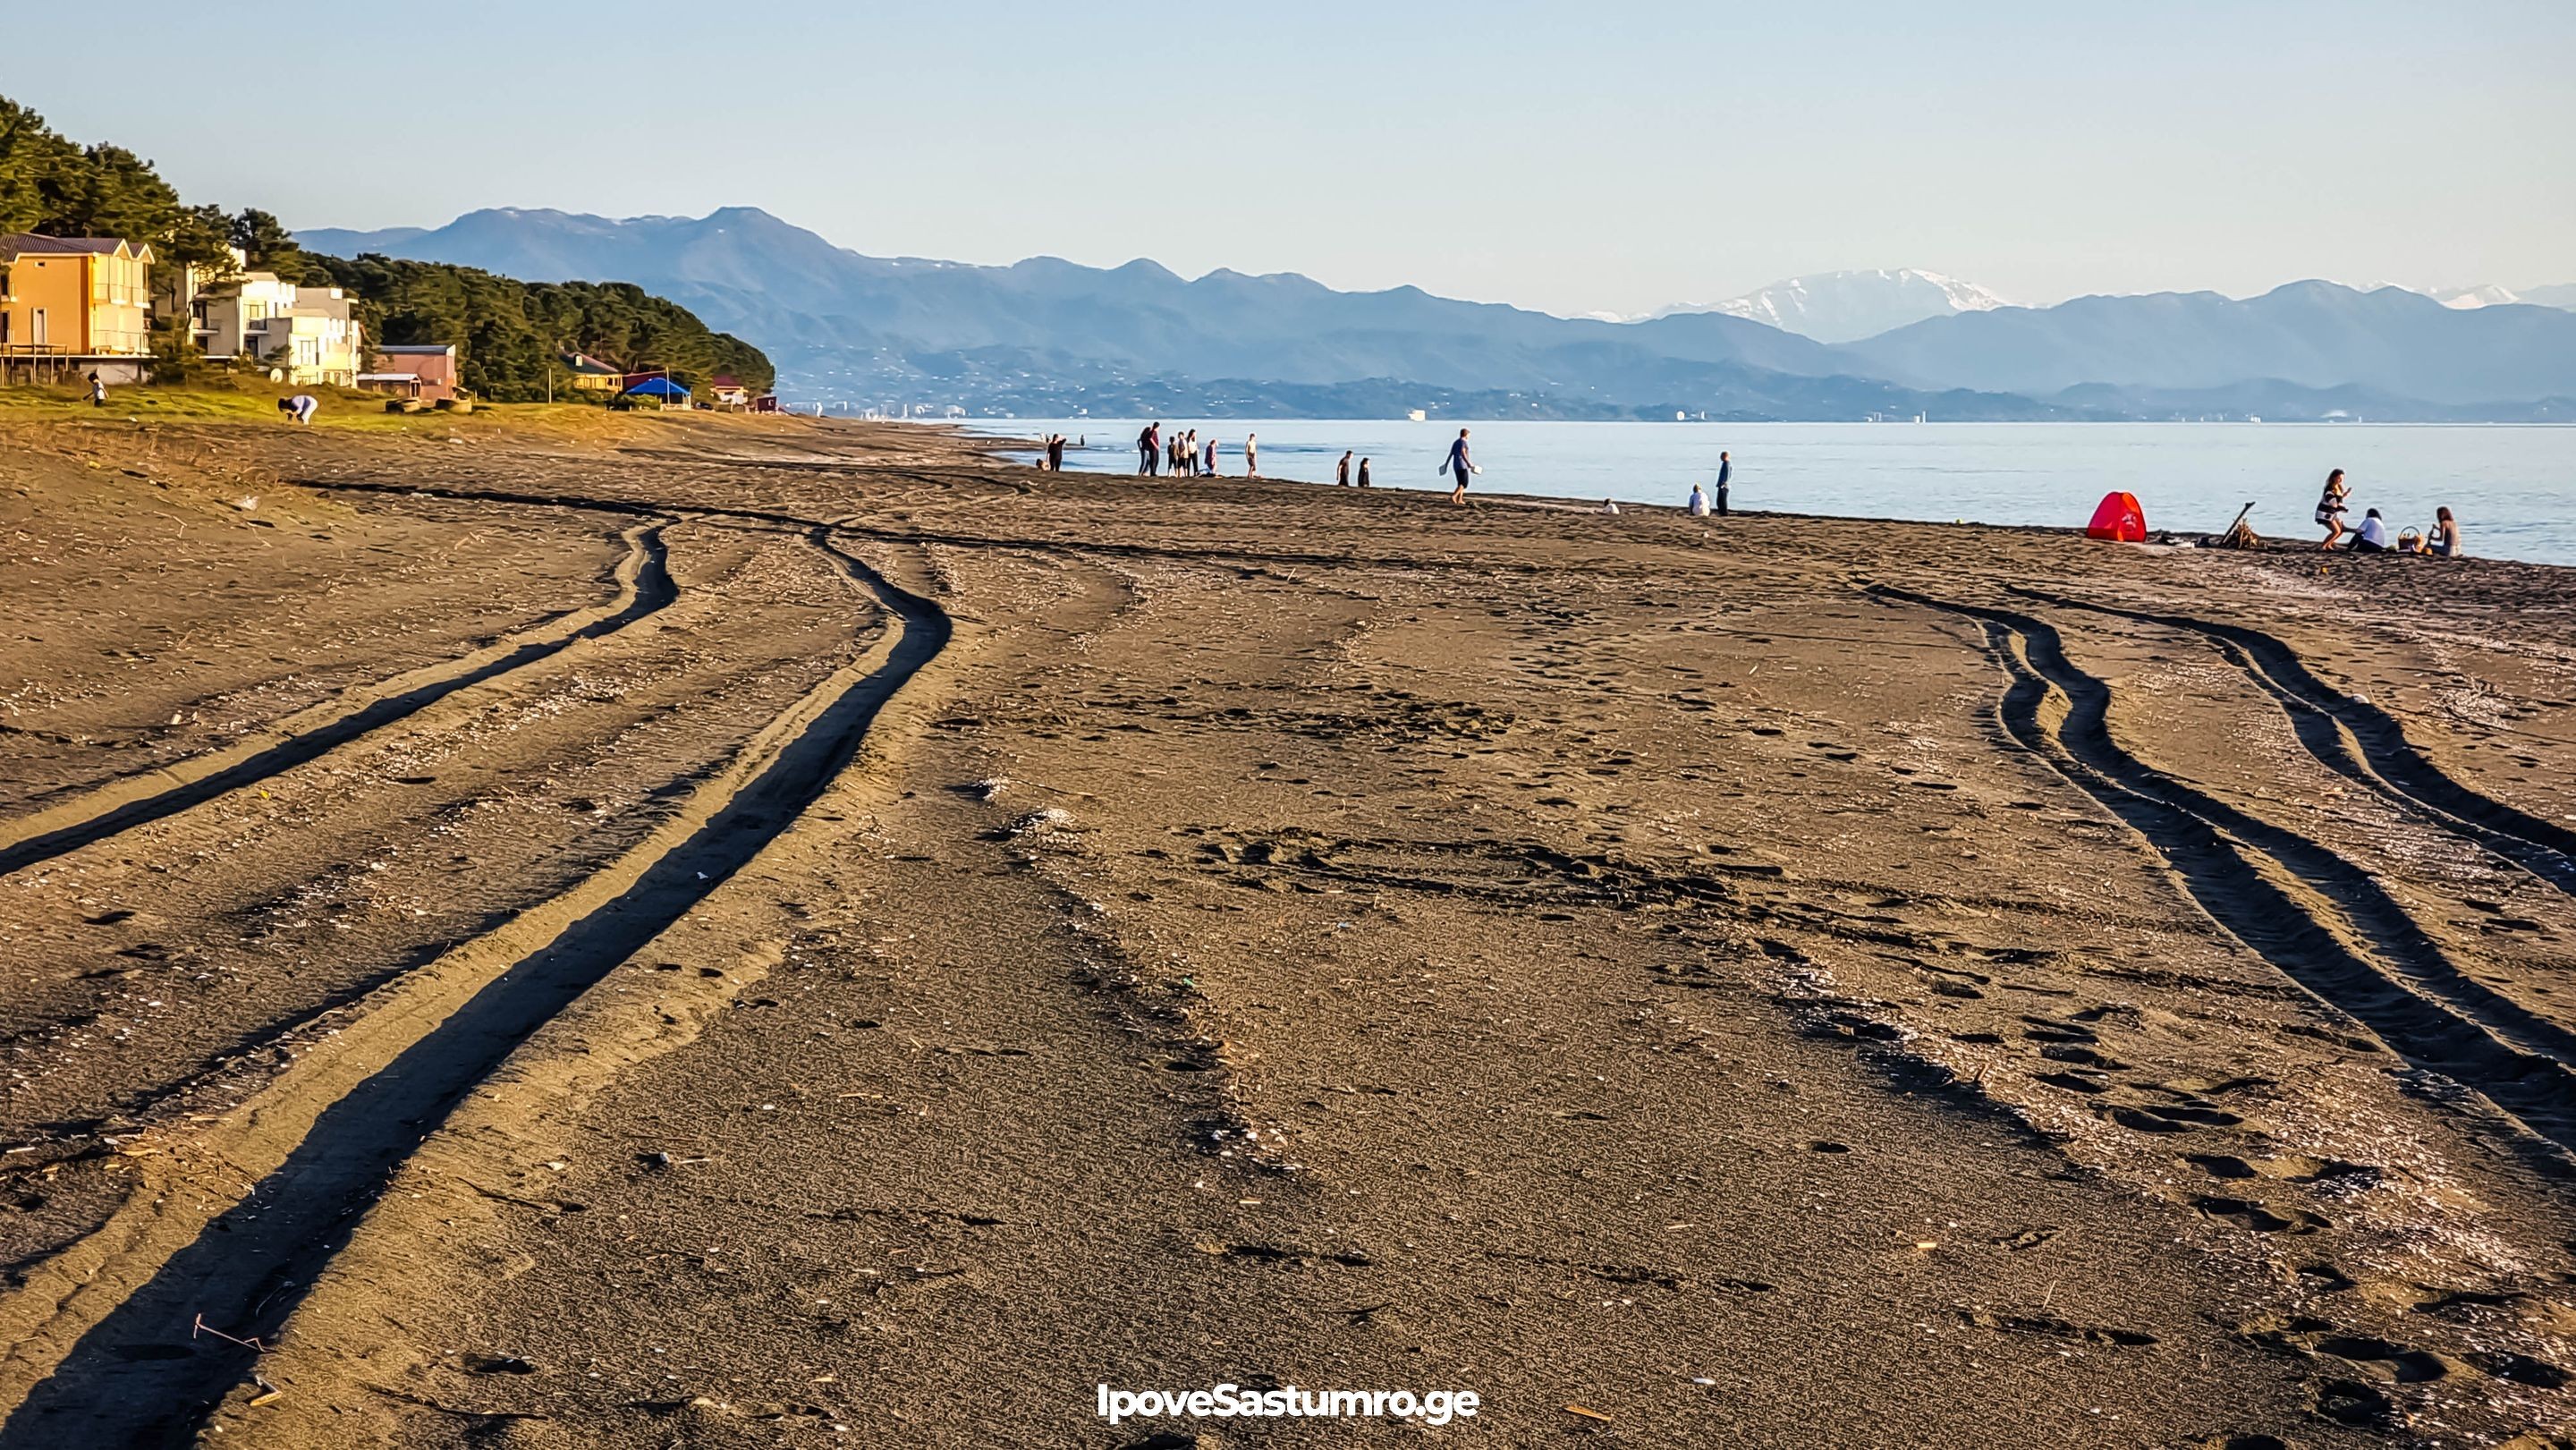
(232, 1223)
(2366, 745)
(644, 588)
(2383, 972)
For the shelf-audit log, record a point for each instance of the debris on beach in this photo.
(1040, 822)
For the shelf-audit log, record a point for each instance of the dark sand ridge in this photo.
(1763, 981)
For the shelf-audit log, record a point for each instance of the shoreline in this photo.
(2272, 545)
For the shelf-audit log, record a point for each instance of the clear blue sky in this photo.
(1570, 156)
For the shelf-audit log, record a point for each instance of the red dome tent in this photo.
(2119, 519)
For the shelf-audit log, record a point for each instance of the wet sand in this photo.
(728, 933)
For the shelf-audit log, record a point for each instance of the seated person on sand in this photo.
(1698, 502)
(2373, 538)
(2444, 540)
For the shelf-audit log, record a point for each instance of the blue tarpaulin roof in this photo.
(657, 388)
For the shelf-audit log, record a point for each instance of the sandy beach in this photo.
(732, 932)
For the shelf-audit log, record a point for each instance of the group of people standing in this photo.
(1184, 456)
(2441, 540)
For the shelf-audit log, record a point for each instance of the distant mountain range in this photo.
(2401, 344)
(1047, 336)
(1848, 306)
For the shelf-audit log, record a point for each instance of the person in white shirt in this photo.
(1251, 455)
(2373, 538)
(299, 408)
(1698, 502)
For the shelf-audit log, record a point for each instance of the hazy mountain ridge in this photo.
(762, 275)
(863, 329)
(2312, 334)
(869, 328)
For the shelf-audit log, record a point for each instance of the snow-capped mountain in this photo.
(2465, 298)
(2561, 296)
(1848, 306)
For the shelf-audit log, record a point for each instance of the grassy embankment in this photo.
(257, 402)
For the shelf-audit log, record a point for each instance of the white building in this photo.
(310, 332)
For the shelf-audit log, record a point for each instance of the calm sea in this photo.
(2513, 488)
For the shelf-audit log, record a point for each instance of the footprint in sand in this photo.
(2247, 1214)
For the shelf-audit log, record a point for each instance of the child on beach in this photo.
(299, 408)
(2330, 508)
(1698, 502)
(1364, 478)
(1251, 455)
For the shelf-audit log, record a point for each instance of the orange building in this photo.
(80, 297)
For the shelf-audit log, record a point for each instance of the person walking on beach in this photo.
(97, 390)
(1364, 478)
(1459, 465)
(1725, 471)
(1342, 471)
(1149, 449)
(1698, 502)
(1251, 455)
